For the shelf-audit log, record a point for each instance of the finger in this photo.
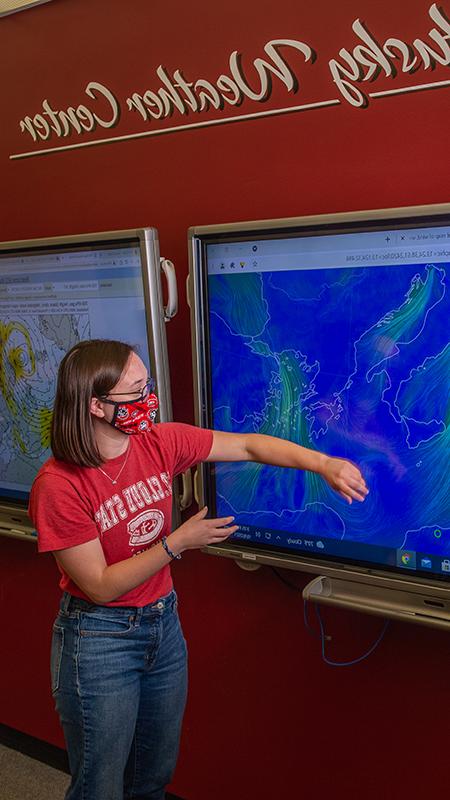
(223, 533)
(358, 492)
(359, 487)
(346, 496)
(220, 522)
(201, 514)
(352, 480)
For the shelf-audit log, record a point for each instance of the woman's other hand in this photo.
(345, 478)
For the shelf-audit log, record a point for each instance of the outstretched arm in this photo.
(343, 476)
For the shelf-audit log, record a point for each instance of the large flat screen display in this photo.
(333, 333)
(54, 294)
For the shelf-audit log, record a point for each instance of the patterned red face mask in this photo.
(135, 416)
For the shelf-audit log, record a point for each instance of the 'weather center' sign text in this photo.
(172, 95)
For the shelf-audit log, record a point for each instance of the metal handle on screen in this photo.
(196, 491)
(172, 301)
(186, 498)
(188, 291)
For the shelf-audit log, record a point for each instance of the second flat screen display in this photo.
(339, 343)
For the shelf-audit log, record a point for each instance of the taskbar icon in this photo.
(406, 559)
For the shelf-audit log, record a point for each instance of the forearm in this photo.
(282, 453)
(343, 476)
(117, 579)
(104, 583)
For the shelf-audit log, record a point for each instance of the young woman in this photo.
(103, 505)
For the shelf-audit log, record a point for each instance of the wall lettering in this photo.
(178, 96)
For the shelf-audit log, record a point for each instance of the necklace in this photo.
(114, 480)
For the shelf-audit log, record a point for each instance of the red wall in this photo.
(266, 718)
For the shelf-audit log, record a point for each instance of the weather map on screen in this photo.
(341, 344)
(49, 301)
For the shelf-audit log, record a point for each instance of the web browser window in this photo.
(339, 342)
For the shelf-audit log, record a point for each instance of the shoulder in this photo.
(54, 469)
(172, 432)
(55, 478)
(183, 445)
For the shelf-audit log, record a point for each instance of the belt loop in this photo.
(65, 602)
(138, 616)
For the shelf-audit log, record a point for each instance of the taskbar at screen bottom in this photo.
(403, 560)
(14, 496)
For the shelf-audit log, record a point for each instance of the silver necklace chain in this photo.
(114, 480)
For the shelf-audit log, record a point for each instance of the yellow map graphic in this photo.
(31, 348)
(17, 361)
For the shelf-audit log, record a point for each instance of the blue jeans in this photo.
(119, 679)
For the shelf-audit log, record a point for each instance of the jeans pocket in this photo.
(56, 656)
(98, 624)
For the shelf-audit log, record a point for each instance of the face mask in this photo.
(136, 416)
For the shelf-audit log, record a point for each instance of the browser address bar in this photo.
(435, 253)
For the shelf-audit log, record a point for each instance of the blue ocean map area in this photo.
(350, 362)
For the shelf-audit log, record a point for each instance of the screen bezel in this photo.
(329, 224)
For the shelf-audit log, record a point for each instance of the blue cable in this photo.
(324, 638)
(309, 627)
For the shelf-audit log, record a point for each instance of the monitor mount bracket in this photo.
(405, 606)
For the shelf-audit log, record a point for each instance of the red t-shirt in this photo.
(70, 505)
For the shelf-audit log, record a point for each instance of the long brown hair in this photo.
(90, 369)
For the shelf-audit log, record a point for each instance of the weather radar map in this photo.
(31, 347)
(352, 362)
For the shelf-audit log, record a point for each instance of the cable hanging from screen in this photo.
(324, 637)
